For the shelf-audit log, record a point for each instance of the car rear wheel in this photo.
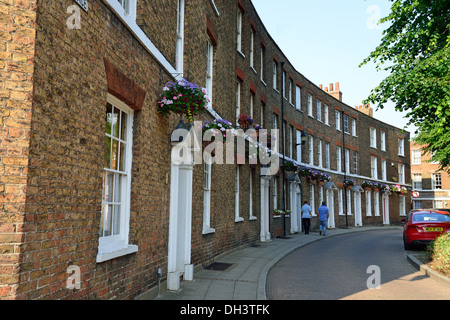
(408, 246)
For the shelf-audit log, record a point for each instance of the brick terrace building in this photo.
(433, 185)
(86, 179)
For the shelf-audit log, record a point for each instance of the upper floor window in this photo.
(354, 127)
(346, 129)
(325, 115)
(374, 167)
(263, 58)
(239, 30)
(416, 157)
(252, 50)
(436, 182)
(319, 110)
(180, 37)
(209, 71)
(338, 120)
(310, 105)
(128, 7)
(383, 140)
(298, 98)
(274, 74)
(401, 147)
(373, 137)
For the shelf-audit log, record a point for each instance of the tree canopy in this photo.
(415, 50)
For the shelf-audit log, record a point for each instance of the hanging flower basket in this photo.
(349, 183)
(245, 121)
(289, 166)
(184, 98)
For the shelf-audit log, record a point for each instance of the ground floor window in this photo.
(115, 215)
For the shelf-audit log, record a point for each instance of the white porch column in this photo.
(265, 233)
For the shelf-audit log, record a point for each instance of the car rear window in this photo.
(430, 217)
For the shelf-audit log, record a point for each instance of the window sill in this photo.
(238, 219)
(109, 253)
(208, 230)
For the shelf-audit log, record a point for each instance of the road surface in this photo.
(344, 266)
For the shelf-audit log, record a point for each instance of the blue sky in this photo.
(326, 40)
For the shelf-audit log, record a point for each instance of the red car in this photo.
(423, 226)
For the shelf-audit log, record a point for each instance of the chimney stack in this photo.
(366, 109)
(333, 90)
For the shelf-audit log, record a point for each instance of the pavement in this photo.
(245, 278)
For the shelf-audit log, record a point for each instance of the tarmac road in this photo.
(337, 268)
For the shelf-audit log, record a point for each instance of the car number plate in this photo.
(433, 229)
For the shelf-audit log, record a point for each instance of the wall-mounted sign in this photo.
(416, 194)
(83, 4)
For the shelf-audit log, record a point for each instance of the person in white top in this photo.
(306, 217)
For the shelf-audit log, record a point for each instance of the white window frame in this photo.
(262, 64)
(354, 127)
(337, 114)
(373, 137)
(291, 84)
(338, 159)
(416, 159)
(341, 201)
(376, 203)
(237, 218)
(383, 141)
(209, 71)
(312, 200)
(275, 193)
(347, 160)
(319, 110)
(239, 30)
(436, 183)
(179, 51)
(327, 155)
(349, 201)
(326, 115)
(274, 75)
(401, 173)
(417, 181)
(238, 101)
(374, 167)
(319, 152)
(355, 162)
(298, 98)
(299, 146)
(113, 246)
(310, 106)
(383, 170)
(402, 206)
(207, 169)
(126, 8)
(251, 216)
(252, 50)
(368, 203)
(346, 126)
(291, 142)
(401, 147)
(311, 150)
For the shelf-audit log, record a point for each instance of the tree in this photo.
(415, 50)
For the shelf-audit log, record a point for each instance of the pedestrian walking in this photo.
(306, 217)
(323, 215)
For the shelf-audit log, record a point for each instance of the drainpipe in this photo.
(345, 169)
(283, 88)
